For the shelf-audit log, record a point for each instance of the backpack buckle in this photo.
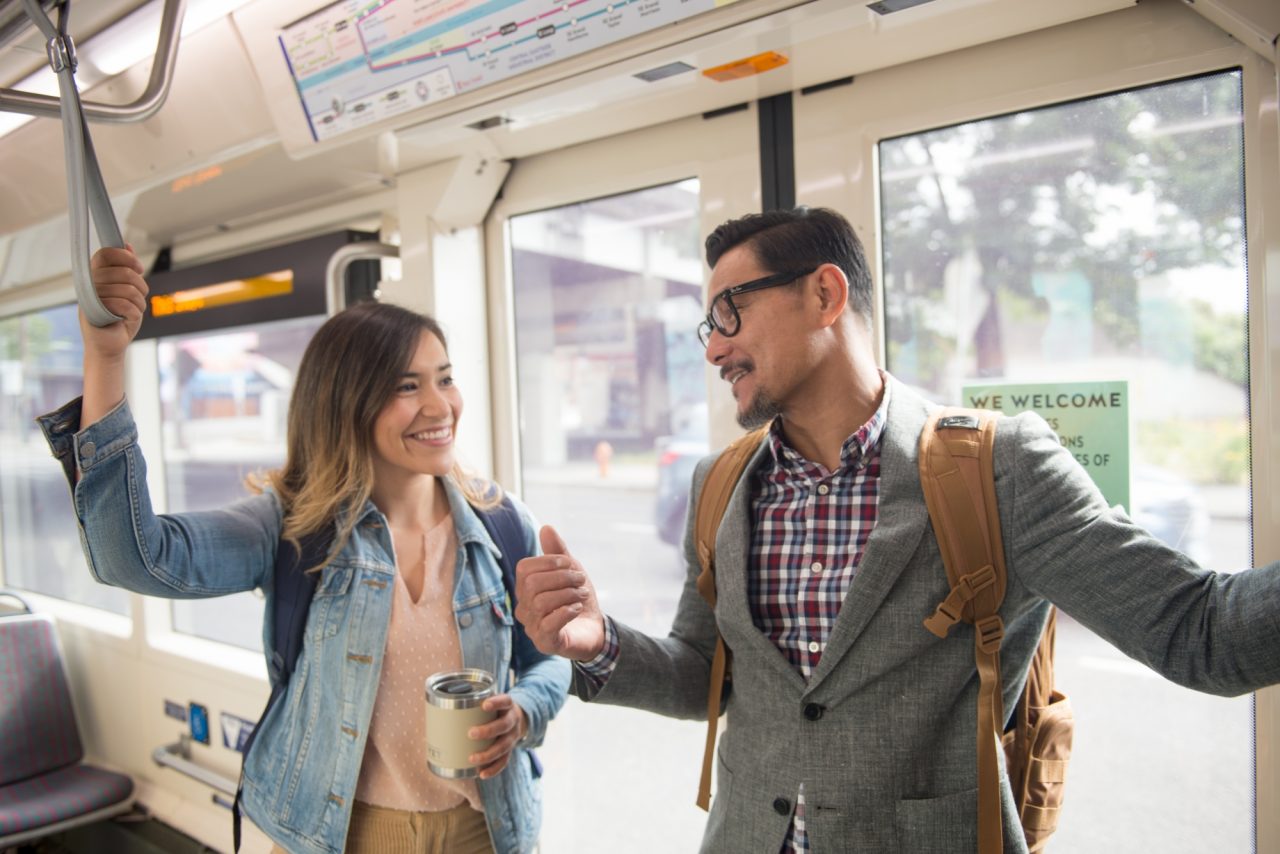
(975, 582)
(966, 422)
(943, 618)
(990, 633)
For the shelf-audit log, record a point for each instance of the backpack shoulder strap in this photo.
(957, 475)
(717, 488)
(958, 480)
(295, 585)
(506, 528)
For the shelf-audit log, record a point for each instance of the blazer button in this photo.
(812, 711)
(782, 806)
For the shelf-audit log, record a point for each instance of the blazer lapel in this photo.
(733, 610)
(901, 521)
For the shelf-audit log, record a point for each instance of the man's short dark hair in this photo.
(798, 239)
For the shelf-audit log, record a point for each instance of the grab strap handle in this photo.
(86, 191)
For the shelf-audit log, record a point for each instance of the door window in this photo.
(1103, 240)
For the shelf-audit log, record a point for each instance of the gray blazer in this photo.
(890, 763)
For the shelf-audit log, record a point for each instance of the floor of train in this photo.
(132, 833)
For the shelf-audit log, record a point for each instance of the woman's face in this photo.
(414, 433)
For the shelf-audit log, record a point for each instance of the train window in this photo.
(1103, 240)
(613, 414)
(40, 369)
(224, 398)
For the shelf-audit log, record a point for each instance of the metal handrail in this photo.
(178, 757)
(335, 292)
(86, 191)
(143, 107)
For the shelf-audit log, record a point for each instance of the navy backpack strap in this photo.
(291, 601)
(506, 528)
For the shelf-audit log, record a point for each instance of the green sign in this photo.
(1091, 420)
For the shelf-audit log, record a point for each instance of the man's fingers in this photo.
(552, 543)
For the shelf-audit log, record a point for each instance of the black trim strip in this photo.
(724, 111)
(777, 153)
(830, 84)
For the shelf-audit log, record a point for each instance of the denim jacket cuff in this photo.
(75, 448)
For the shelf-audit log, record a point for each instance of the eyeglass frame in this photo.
(773, 280)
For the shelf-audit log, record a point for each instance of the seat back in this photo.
(38, 730)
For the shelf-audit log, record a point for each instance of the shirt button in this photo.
(814, 646)
(464, 620)
(823, 489)
(87, 450)
(782, 806)
(813, 712)
(816, 566)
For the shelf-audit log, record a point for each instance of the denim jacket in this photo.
(299, 777)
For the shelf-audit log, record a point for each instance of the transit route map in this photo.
(358, 62)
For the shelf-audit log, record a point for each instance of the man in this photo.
(850, 727)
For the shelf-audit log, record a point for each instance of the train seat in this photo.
(45, 786)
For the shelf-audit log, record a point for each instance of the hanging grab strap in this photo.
(86, 191)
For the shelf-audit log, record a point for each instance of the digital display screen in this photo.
(356, 63)
(274, 284)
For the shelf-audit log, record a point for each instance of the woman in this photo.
(411, 585)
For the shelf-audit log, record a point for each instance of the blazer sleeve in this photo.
(668, 675)
(1214, 632)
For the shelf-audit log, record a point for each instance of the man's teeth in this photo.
(734, 376)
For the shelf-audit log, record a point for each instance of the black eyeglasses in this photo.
(723, 316)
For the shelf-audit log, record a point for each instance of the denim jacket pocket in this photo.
(326, 620)
(484, 630)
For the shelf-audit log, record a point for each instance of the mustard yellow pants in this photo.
(378, 830)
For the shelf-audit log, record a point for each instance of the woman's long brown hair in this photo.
(350, 370)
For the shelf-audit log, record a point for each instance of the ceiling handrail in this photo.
(335, 274)
(143, 107)
(86, 191)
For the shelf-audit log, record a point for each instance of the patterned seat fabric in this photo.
(59, 795)
(42, 780)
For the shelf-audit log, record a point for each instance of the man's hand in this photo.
(557, 603)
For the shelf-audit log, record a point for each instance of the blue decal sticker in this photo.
(177, 711)
(198, 715)
(235, 731)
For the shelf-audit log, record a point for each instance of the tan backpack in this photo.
(956, 475)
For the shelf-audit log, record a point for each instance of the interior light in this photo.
(746, 67)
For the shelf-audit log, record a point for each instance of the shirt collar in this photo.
(853, 453)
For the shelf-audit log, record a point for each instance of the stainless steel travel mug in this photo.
(453, 708)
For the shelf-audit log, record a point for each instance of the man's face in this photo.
(765, 358)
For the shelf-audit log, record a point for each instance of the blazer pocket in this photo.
(941, 825)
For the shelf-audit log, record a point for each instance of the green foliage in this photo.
(1117, 188)
(25, 337)
(1219, 343)
(1206, 451)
